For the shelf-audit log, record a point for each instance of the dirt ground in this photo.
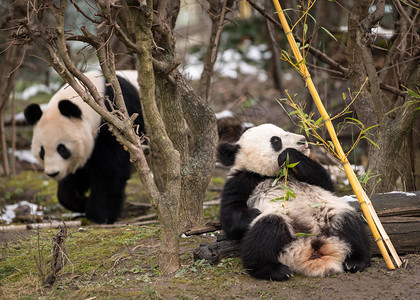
(121, 263)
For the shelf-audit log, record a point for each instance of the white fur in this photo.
(313, 208)
(302, 258)
(256, 153)
(77, 135)
(131, 76)
(313, 211)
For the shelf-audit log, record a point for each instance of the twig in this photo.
(40, 226)
(59, 258)
(209, 227)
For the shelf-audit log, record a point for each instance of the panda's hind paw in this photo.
(283, 273)
(353, 266)
(278, 272)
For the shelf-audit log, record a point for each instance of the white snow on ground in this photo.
(8, 213)
(230, 63)
(349, 198)
(25, 155)
(405, 193)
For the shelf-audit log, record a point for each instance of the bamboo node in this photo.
(287, 33)
(378, 239)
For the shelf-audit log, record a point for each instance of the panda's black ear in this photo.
(226, 153)
(69, 109)
(32, 113)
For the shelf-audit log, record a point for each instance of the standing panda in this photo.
(314, 234)
(75, 147)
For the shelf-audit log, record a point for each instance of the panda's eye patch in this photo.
(42, 153)
(276, 143)
(63, 151)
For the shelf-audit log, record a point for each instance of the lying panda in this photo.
(75, 147)
(314, 234)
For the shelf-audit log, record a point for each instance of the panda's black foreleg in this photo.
(352, 231)
(235, 215)
(261, 247)
(307, 170)
(72, 189)
(106, 199)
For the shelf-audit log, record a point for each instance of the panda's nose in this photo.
(53, 174)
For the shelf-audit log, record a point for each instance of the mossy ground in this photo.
(121, 263)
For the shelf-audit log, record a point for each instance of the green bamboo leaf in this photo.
(318, 121)
(369, 128)
(392, 110)
(292, 165)
(304, 234)
(277, 199)
(305, 28)
(303, 47)
(329, 33)
(354, 120)
(286, 54)
(312, 17)
(373, 143)
(288, 189)
(316, 205)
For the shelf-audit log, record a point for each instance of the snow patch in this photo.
(405, 193)
(9, 211)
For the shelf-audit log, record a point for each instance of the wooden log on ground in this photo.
(398, 212)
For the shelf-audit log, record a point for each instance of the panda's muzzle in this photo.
(52, 175)
(302, 143)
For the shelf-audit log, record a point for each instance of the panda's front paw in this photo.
(354, 265)
(293, 154)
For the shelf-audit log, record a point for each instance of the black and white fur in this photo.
(314, 234)
(75, 147)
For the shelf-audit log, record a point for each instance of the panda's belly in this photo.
(312, 211)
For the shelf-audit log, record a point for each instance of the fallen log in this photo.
(398, 212)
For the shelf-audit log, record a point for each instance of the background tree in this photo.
(145, 27)
(385, 101)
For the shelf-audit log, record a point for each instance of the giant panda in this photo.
(75, 147)
(313, 234)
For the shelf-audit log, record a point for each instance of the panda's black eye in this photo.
(63, 151)
(276, 143)
(42, 153)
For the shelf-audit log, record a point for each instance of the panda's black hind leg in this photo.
(261, 246)
(352, 232)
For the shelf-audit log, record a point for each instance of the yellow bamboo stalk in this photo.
(364, 201)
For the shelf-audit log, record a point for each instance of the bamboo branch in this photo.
(364, 201)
